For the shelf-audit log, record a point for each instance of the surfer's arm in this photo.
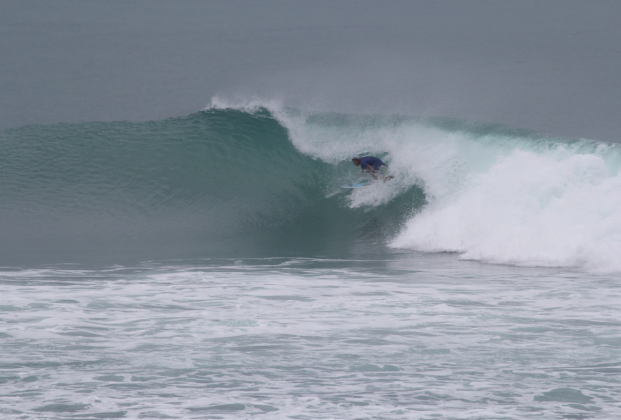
(364, 171)
(371, 170)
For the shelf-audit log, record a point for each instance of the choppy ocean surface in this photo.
(212, 267)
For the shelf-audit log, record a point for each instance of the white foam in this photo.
(256, 338)
(547, 209)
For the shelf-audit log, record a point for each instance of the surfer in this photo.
(372, 165)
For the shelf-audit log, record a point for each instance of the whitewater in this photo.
(211, 267)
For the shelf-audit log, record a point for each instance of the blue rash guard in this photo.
(370, 160)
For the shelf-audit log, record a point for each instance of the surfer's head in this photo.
(356, 161)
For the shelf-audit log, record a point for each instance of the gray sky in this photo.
(553, 66)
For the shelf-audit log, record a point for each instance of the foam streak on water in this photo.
(423, 336)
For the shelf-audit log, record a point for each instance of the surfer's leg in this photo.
(384, 171)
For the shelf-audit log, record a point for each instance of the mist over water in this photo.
(547, 66)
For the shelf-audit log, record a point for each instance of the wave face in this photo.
(257, 179)
(222, 182)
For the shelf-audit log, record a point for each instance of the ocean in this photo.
(211, 266)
